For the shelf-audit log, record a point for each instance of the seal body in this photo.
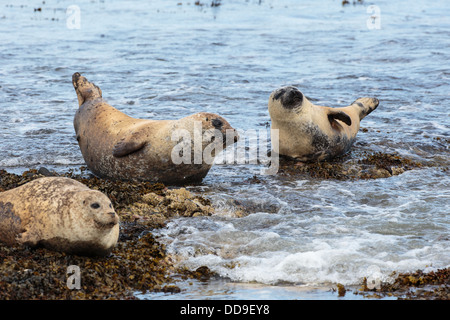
(308, 132)
(118, 147)
(59, 214)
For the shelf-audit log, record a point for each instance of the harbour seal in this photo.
(59, 214)
(118, 147)
(308, 132)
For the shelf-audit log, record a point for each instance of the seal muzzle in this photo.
(290, 97)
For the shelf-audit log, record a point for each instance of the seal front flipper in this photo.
(334, 115)
(127, 146)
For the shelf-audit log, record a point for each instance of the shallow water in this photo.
(161, 59)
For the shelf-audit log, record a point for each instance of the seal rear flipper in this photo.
(334, 115)
(366, 105)
(126, 147)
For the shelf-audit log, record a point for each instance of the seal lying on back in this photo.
(118, 147)
(313, 133)
(59, 214)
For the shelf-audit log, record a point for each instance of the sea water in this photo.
(168, 59)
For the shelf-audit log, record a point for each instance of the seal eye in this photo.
(279, 93)
(95, 205)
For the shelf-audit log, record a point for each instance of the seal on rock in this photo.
(60, 214)
(308, 132)
(118, 147)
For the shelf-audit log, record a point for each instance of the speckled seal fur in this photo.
(59, 214)
(308, 132)
(118, 147)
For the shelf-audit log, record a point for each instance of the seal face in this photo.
(290, 97)
(308, 132)
(60, 214)
(118, 147)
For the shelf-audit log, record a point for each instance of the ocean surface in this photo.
(168, 59)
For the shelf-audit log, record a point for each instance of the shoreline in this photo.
(139, 263)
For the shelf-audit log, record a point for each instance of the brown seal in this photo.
(60, 214)
(118, 147)
(308, 132)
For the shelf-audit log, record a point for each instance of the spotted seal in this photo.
(59, 214)
(118, 147)
(308, 132)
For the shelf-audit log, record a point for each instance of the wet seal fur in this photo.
(60, 214)
(118, 147)
(308, 132)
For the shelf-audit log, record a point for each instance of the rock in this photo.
(156, 209)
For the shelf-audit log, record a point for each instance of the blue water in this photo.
(168, 59)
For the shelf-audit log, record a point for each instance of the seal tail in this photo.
(366, 106)
(85, 90)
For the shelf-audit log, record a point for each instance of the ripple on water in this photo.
(160, 60)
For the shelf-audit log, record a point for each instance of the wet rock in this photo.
(202, 273)
(46, 173)
(434, 285)
(341, 290)
(242, 207)
(155, 209)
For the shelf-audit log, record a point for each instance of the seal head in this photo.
(289, 97)
(59, 214)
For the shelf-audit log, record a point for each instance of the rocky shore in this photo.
(139, 263)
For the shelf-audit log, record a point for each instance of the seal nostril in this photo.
(112, 214)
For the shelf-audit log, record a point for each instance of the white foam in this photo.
(316, 243)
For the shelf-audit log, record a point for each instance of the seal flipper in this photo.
(127, 146)
(366, 105)
(334, 115)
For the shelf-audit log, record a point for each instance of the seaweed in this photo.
(433, 285)
(364, 166)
